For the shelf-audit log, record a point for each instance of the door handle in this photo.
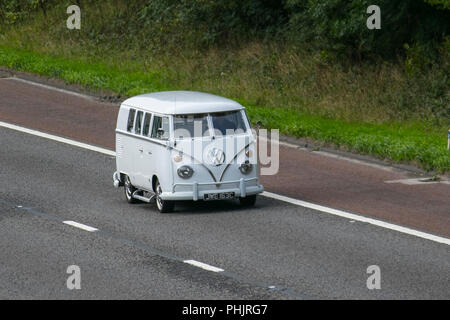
(149, 152)
(141, 150)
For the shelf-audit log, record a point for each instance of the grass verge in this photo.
(409, 142)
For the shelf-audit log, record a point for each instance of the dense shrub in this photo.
(333, 25)
(341, 25)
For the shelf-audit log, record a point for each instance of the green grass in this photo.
(420, 143)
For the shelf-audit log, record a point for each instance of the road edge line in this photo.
(58, 139)
(357, 217)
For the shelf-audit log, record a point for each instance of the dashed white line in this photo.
(297, 202)
(203, 266)
(80, 226)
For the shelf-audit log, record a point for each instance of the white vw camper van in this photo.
(183, 145)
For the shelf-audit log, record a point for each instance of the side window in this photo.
(146, 128)
(131, 120)
(160, 123)
(138, 125)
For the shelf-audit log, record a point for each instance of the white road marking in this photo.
(37, 84)
(203, 266)
(334, 156)
(59, 139)
(356, 217)
(297, 202)
(80, 226)
(418, 181)
(361, 162)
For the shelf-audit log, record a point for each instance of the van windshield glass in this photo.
(190, 126)
(228, 123)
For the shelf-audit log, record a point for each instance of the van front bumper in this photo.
(241, 191)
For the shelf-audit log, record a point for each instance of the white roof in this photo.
(182, 102)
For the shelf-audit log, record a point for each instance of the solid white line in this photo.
(59, 139)
(418, 181)
(80, 226)
(37, 84)
(297, 202)
(356, 217)
(332, 155)
(203, 266)
(360, 162)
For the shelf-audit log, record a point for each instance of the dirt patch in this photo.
(4, 73)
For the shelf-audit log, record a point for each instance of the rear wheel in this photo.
(129, 189)
(164, 206)
(248, 201)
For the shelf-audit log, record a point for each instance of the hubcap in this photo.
(158, 199)
(128, 187)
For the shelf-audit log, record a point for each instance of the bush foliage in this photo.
(335, 25)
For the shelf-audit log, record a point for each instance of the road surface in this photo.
(277, 250)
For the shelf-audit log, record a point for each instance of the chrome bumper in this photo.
(195, 194)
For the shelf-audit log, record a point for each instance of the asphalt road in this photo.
(273, 251)
(139, 253)
(305, 175)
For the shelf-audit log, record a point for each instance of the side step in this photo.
(144, 196)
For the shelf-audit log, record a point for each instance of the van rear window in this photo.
(131, 120)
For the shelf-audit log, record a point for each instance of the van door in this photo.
(138, 147)
(126, 147)
(145, 156)
(160, 163)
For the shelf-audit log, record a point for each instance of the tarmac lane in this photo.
(58, 208)
(337, 182)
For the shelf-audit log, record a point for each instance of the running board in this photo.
(142, 198)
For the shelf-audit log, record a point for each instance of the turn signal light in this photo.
(177, 158)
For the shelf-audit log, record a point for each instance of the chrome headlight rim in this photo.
(246, 167)
(185, 172)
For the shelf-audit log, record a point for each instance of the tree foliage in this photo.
(333, 26)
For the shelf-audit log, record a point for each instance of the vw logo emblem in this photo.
(216, 157)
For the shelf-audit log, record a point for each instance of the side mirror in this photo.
(160, 133)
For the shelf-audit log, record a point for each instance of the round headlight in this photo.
(246, 167)
(185, 172)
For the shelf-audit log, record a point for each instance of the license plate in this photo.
(218, 196)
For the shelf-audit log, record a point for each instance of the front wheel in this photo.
(129, 190)
(248, 201)
(164, 206)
